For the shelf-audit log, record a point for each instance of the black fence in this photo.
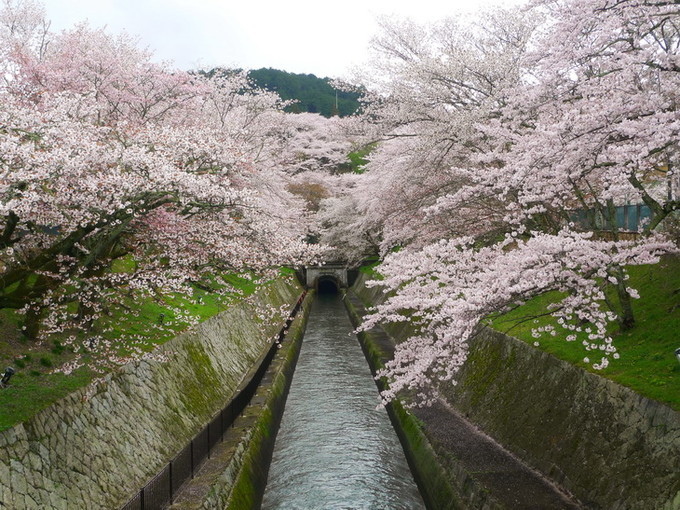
(160, 491)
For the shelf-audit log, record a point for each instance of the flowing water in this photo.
(334, 449)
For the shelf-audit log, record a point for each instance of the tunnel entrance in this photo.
(336, 272)
(327, 285)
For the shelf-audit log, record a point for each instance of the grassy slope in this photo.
(647, 363)
(35, 386)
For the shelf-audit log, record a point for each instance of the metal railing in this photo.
(160, 491)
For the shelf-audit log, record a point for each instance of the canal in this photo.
(335, 449)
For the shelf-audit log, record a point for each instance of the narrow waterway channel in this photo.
(334, 449)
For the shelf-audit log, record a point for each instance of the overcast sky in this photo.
(303, 36)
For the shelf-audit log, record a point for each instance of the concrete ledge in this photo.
(435, 482)
(236, 475)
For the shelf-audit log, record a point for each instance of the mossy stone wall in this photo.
(95, 450)
(611, 447)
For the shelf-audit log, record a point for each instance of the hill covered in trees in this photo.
(314, 95)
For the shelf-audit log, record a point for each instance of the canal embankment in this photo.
(456, 466)
(605, 444)
(98, 446)
(235, 476)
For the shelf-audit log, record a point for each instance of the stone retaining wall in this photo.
(612, 448)
(96, 452)
(609, 446)
(246, 490)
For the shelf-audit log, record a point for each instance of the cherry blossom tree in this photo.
(449, 287)
(315, 143)
(584, 118)
(429, 87)
(315, 151)
(108, 156)
(593, 125)
(343, 227)
(24, 31)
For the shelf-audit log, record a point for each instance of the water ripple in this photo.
(335, 450)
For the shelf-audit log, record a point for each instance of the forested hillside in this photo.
(315, 95)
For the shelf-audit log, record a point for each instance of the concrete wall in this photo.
(337, 273)
(612, 448)
(96, 452)
(242, 484)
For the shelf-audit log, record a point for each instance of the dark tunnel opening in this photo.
(327, 285)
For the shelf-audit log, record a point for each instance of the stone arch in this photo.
(331, 272)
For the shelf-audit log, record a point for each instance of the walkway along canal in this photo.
(335, 449)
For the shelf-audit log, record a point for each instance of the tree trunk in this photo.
(32, 323)
(83, 313)
(626, 317)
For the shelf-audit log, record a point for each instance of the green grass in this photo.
(134, 327)
(358, 158)
(647, 363)
(32, 391)
(369, 268)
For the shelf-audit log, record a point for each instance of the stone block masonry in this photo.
(611, 447)
(96, 450)
(236, 475)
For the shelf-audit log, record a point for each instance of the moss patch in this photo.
(199, 392)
